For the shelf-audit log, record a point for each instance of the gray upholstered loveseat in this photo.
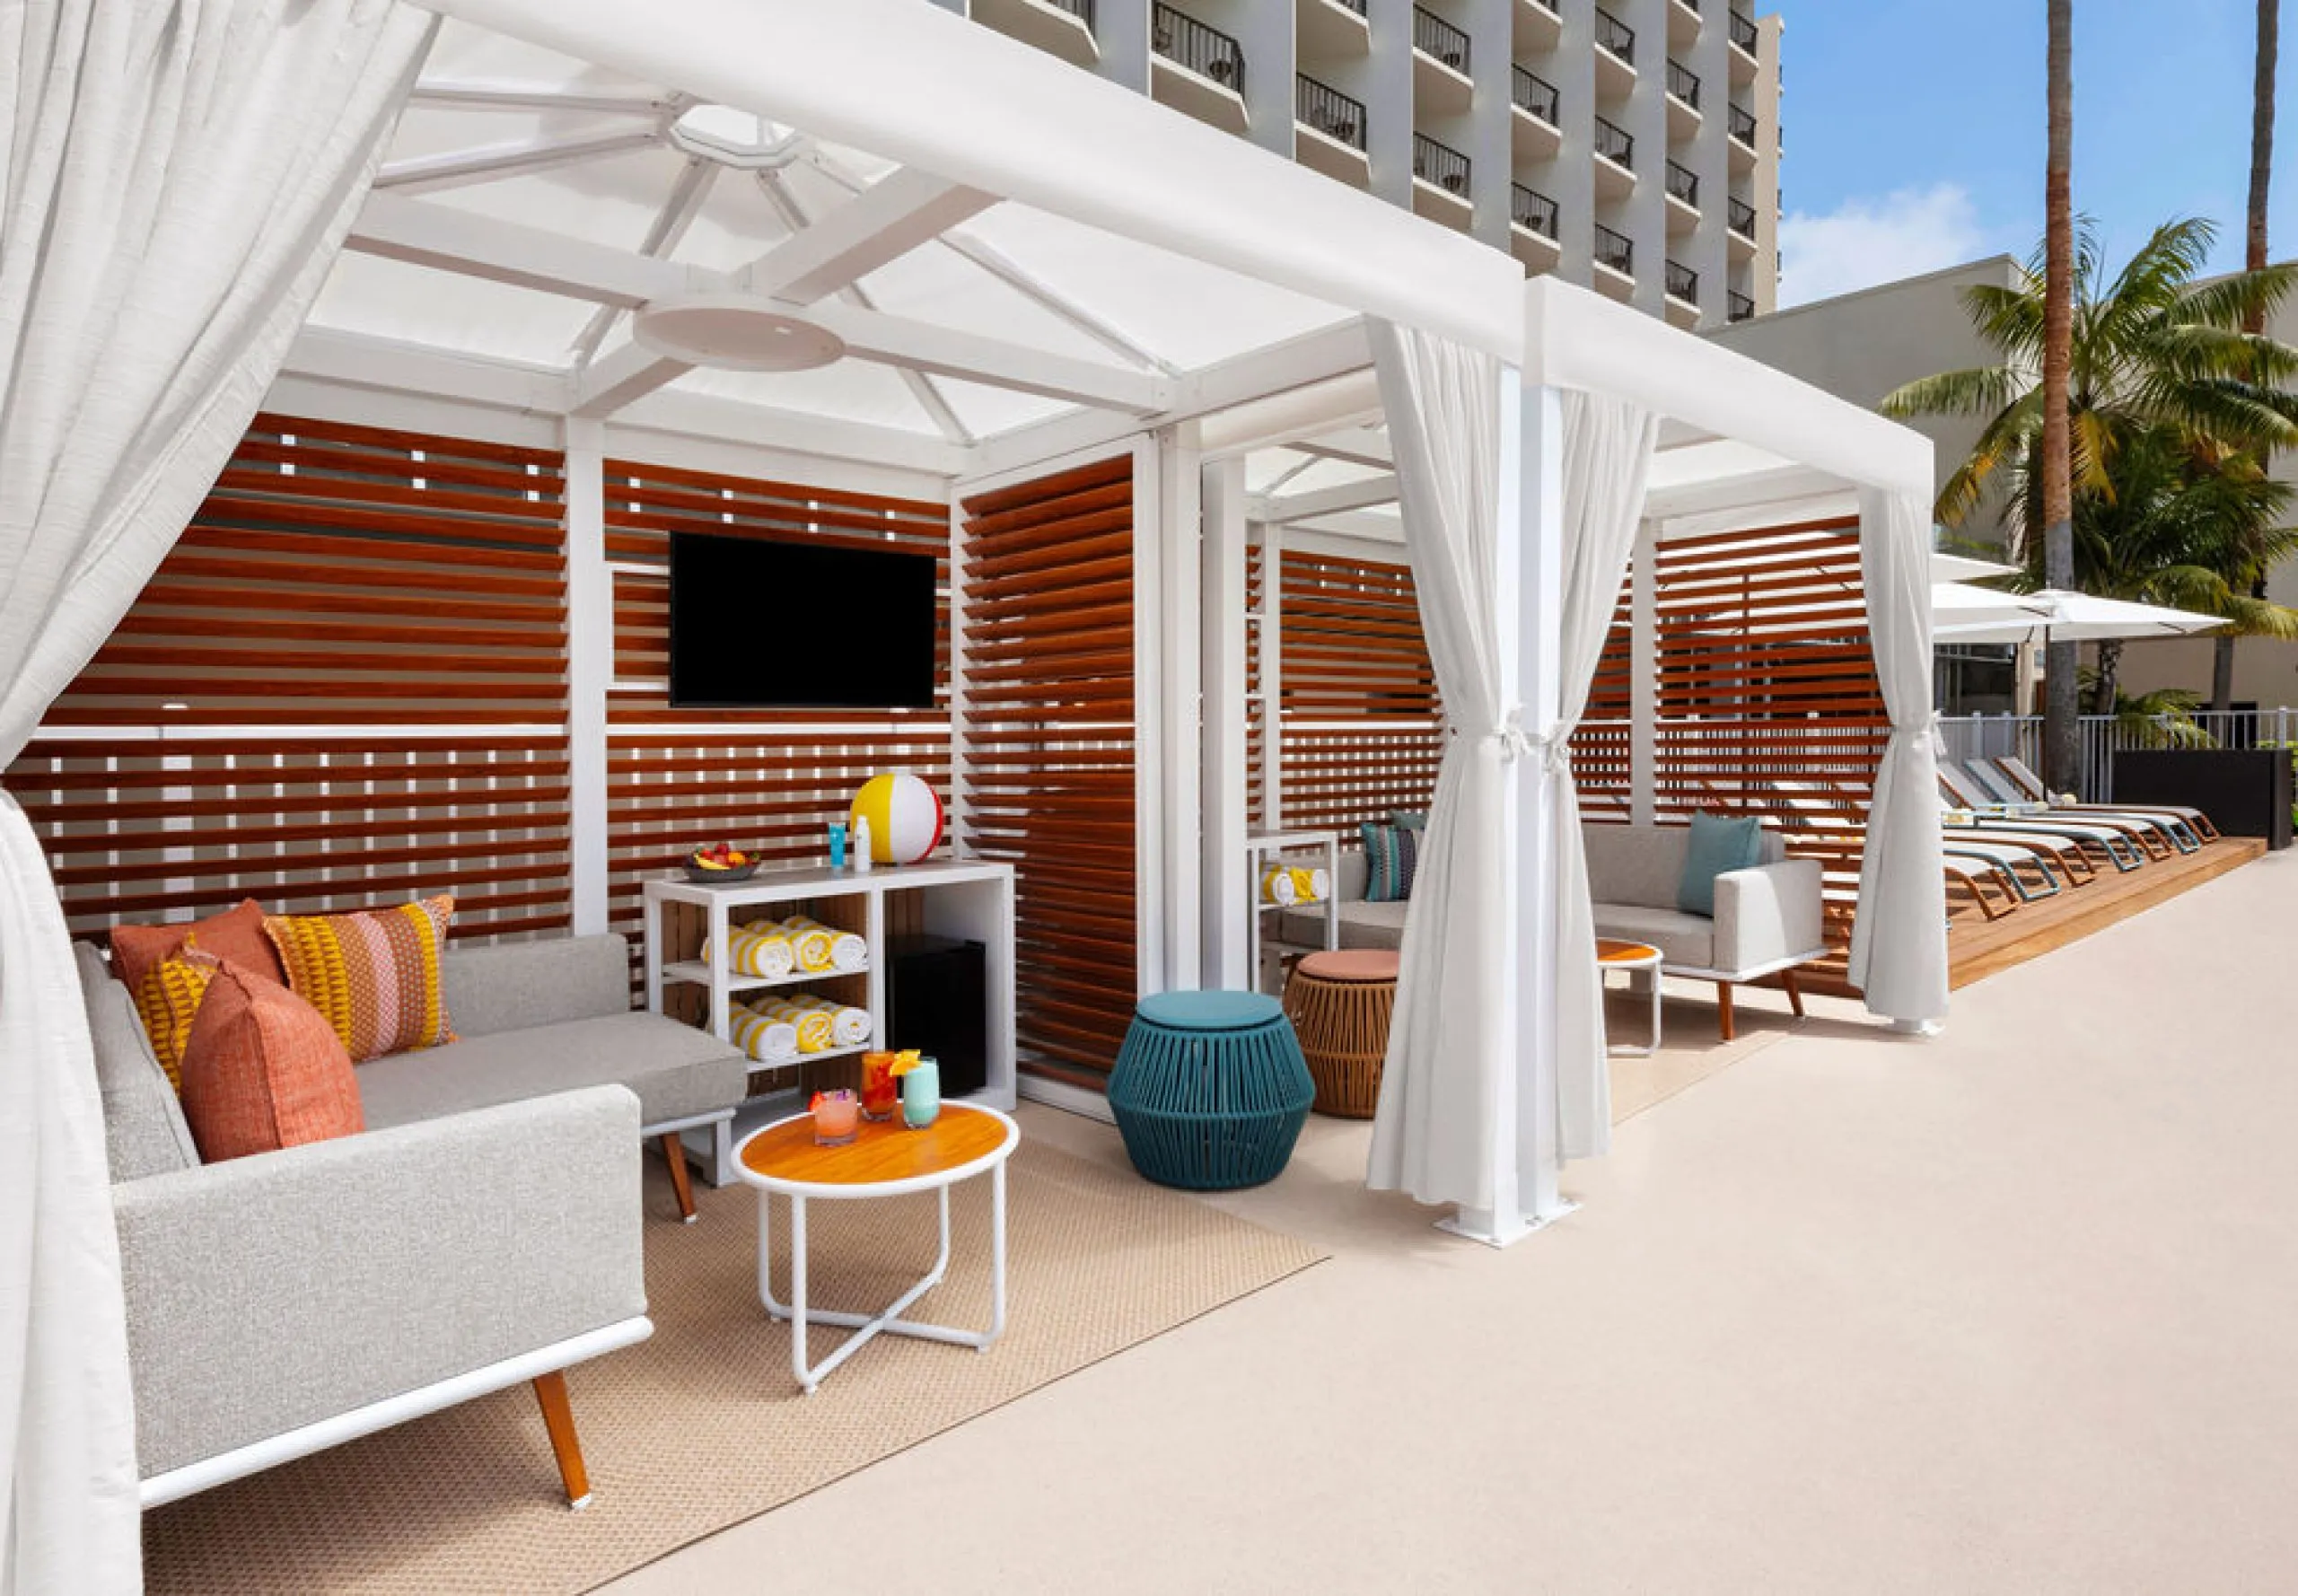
(1767, 919)
(485, 1229)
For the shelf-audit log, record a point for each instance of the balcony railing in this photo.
(1615, 143)
(1683, 182)
(1537, 95)
(1433, 35)
(1744, 33)
(1532, 209)
(1616, 36)
(1206, 51)
(1683, 283)
(1329, 111)
(1743, 218)
(1440, 164)
(1684, 84)
(1082, 9)
(1615, 250)
(1743, 126)
(1738, 306)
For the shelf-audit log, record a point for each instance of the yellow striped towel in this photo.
(849, 1026)
(814, 1028)
(1312, 886)
(770, 1042)
(821, 947)
(1277, 885)
(761, 950)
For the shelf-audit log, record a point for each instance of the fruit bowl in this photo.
(720, 862)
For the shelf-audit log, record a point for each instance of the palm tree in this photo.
(2269, 50)
(2061, 729)
(2166, 530)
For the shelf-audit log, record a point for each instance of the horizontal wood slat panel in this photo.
(1048, 777)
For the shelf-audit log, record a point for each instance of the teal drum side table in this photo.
(1210, 1089)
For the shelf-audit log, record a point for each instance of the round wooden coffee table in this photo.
(1641, 962)
(883, 1159)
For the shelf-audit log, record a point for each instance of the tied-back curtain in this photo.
(1899, 939)
(179, 174)
(1441, 1087)
(1607, 448)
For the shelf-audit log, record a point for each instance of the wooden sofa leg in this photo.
(558, 1418)
(1794, 992)
(1723, 1010)
(674, 1150)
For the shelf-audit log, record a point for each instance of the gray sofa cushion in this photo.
(513, 985)
(677, 1070)
(1682, 939)
(1362, 924)
(144, 1133)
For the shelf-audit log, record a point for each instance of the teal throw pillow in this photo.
(1392, 859)
(1717, 845)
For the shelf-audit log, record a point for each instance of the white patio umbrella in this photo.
(2058, 615)
(1955, 605)
(1962, 567)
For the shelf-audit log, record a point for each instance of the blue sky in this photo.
(1916, 127)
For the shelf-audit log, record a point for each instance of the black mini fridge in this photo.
(937, 1002)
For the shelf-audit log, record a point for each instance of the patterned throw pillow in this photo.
(167, 1000)
(1392, 859)
(235, 935)
(374, 975)
(263, 1070)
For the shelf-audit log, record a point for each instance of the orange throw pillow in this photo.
(263, 1070)
(374, 975)
(235, 936)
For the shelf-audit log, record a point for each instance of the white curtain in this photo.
(1899, 939)
(1442, 1087)
(178, 176)
(1607, 448)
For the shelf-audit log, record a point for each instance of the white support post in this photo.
(589, 668)
(1271, 611)
(961, 814)
(1644, 678)
(1225, 918)
(1179, 735)
(1541, 680)
(1149, 650)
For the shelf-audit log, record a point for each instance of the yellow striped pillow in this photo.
(375, 974)
(168, 999)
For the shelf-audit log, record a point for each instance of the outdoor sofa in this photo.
(1767, 922)
(484, 1229)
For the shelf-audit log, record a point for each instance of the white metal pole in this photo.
(1271, 644)
(1644, 678)
(1224, 687)
(590, 669)
(1540, 622)
(1179, 616)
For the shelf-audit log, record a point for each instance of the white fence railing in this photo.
(1991, 736)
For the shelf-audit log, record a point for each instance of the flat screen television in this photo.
(756, 625)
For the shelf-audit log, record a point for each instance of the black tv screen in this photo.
(799, 625)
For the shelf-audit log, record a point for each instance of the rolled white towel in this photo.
(1277, 885)
(849, 1026)
(770, 1042)
(825, 948)
(1319, 884)
(756, 951)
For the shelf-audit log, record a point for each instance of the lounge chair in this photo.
(2008, 857)
(1976, 875)
(2161, 832)
(2025, 781)
(2113, 843)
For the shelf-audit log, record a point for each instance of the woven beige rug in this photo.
(702, 1426)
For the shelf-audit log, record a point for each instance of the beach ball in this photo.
(905, 816)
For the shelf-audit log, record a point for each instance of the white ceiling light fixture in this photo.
(735, 138)
(738, 333)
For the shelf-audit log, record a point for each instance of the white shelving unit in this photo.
(1264, 848)
(957, 897)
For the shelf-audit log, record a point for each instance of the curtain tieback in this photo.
(1509, 741)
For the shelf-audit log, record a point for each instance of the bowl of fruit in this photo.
(720, 862)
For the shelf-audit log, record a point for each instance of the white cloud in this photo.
(1862, 243)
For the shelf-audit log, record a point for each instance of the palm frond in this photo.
(1979, 391)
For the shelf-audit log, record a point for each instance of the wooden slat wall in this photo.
(346, 684)
(769, 779)
(1768, 698)
(1049, 772)
(1361, 729)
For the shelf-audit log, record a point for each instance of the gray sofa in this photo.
(483, 1231)
(1766, 921)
